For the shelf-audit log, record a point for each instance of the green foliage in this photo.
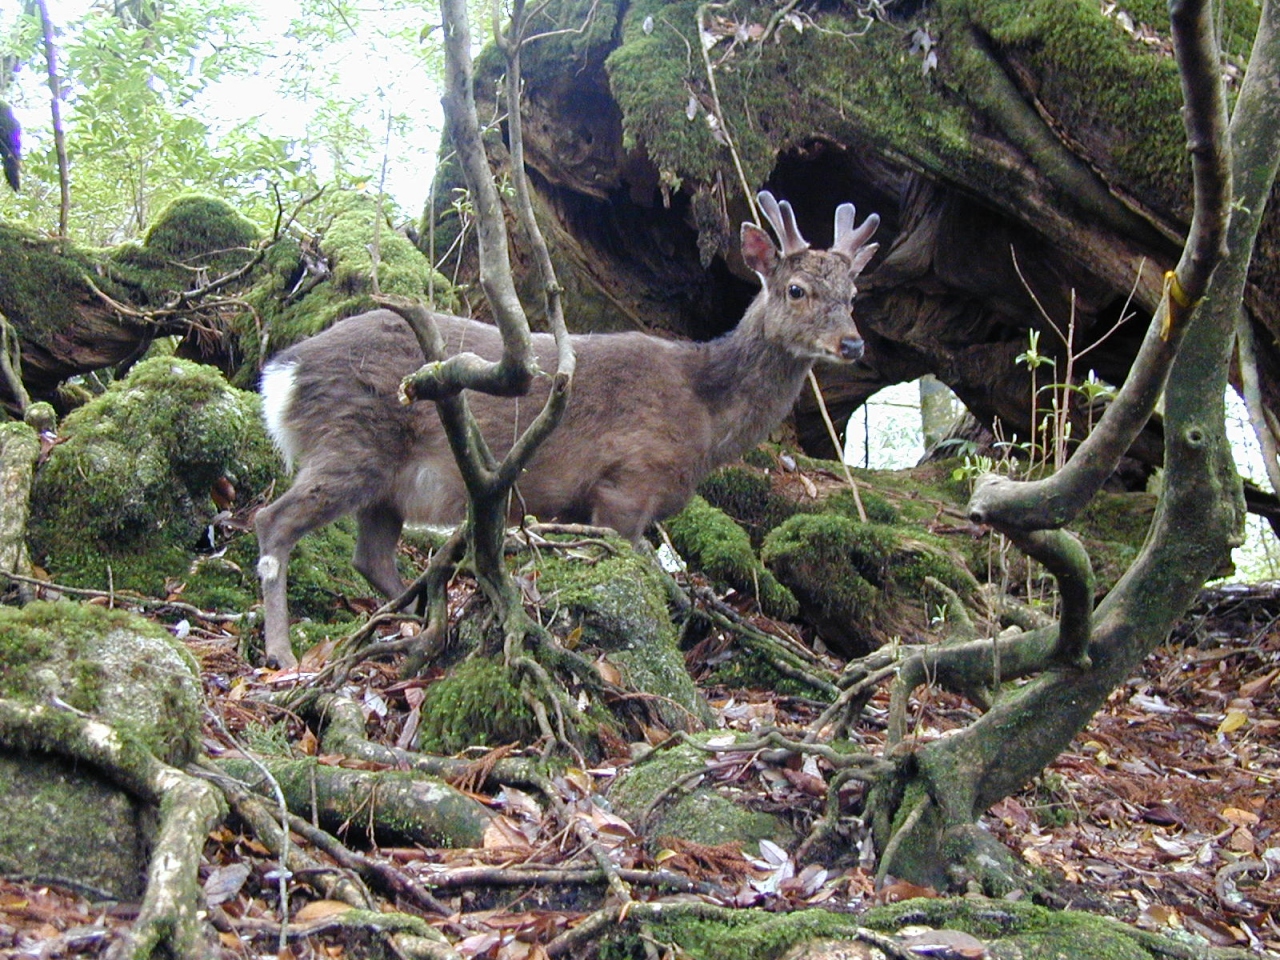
(133, 119)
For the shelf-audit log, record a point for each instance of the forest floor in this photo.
(1164, 812)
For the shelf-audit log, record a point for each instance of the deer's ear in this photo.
(758, 250)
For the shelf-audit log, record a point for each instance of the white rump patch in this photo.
(278, 382)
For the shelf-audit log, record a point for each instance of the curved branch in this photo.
(1065, 557)
(1050, 503)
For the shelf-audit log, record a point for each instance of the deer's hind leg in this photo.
(316, 499)
(378, 532)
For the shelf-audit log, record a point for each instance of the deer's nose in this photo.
(851, 348)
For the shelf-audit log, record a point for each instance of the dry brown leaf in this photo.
(321, 910)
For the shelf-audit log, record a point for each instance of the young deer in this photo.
(647, 420)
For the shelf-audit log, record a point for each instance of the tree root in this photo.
(168, 923)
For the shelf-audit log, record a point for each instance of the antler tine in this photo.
(853, 243)
(783, 220)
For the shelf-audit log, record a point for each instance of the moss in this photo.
(717, 546)
(192, 232)
(832, 559)
(476, 705)
(126, 498)
(695, 812)
(1010, 929)
(44, 282)
(857, 82)
(1022, 929)
(618, 605)
(94, 658)
(283, 318)
(746, 495)
(195, 227)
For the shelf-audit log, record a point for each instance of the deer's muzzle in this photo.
(851, 348)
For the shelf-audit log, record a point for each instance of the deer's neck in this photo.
(749, 385)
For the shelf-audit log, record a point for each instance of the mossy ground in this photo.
(1010, 929)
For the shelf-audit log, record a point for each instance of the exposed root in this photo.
(169, 923)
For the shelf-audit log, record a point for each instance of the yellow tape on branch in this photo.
(1174, 296)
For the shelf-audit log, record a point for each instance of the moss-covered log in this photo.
(1026, 159)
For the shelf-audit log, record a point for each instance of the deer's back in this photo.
(630, 423)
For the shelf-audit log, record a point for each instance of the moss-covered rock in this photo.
(67, 821)
(126, 498)
(616, 604)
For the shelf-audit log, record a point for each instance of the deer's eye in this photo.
(795, 291)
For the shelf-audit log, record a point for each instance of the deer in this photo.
(647, 420)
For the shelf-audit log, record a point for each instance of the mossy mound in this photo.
(194, 238)
(858, 583)
(126, 498)
(200, 229)
(702, 812)
(608, 604)
(477, 704)
(65, 820)
(714, 544)
(616, 605)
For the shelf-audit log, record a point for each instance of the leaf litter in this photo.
(1163, 812)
